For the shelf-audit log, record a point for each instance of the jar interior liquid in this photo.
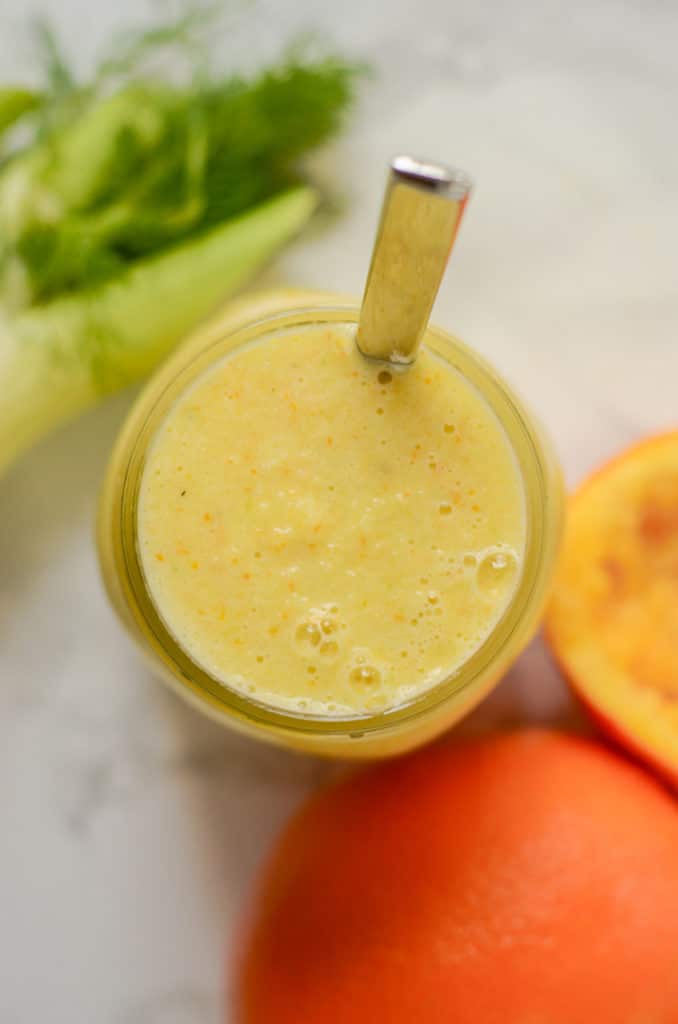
(326, 534)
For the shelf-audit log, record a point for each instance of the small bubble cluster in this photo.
(317, 633)
(363, 672)
(308, 635)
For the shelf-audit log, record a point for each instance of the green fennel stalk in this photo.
(135, 207)
(14, 103)
(57, 360)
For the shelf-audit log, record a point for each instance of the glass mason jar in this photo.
(360, 735)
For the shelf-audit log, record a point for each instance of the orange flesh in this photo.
(613, 619)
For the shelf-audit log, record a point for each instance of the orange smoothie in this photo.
(326, 535)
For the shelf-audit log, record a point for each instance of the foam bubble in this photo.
(497, 570)
(365, 675)
(308, 635)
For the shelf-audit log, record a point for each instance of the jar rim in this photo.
(149, 413)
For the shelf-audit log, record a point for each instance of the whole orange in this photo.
(530, 878)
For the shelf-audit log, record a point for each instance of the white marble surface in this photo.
(129, 827)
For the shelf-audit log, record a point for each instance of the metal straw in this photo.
(422, 208)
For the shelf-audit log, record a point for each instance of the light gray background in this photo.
(129, 828)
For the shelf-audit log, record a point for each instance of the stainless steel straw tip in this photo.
(433, 177)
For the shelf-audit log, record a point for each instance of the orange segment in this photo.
(613, 618)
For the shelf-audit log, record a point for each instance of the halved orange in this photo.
(612, 622)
